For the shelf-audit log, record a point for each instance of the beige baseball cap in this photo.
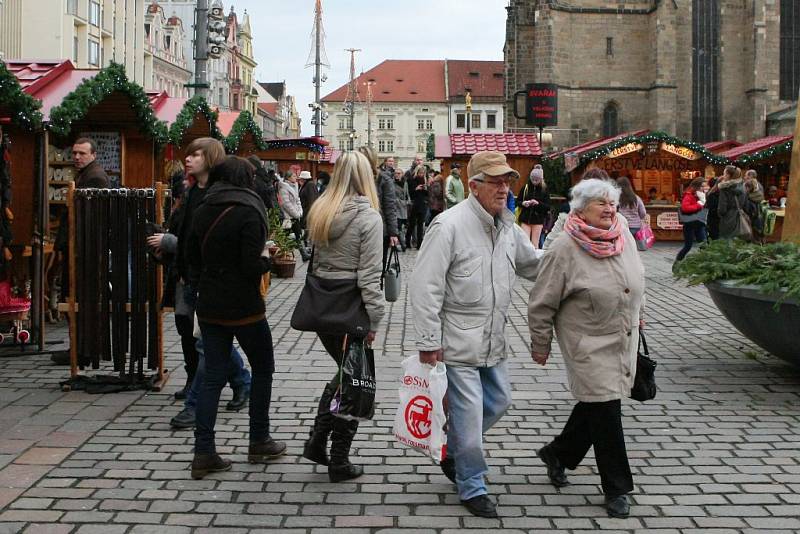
(490, 163)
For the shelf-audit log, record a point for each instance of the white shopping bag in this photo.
(420, 420)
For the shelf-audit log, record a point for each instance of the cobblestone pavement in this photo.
(715, 453)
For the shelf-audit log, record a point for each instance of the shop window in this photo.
(461, 120)
(491, 121)
(611, 120)
(790, 50)
(705, 70)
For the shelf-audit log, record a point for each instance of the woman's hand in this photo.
(370, 338)
(641, 324)
(540, 357)
(155, 240)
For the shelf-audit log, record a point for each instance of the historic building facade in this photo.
(700, 69)
(164, 46)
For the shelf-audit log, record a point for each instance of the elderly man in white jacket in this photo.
(460, 294)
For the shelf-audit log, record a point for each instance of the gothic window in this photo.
(611, 120)
(790, 50)
(705, 70)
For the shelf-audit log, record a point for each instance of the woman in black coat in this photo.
(534, 204)
(227, 256)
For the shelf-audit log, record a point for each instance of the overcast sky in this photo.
(383, 29)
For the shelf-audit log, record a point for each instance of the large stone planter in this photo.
(753, 314)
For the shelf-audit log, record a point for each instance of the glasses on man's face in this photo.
(497, 183)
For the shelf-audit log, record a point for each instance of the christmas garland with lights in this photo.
(185, 120)
(23, 108)
(243, 125)
(295, 143)
(604, 150)
(774, 150)
(93, 91)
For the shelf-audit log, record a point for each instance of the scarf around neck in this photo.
(595, 241)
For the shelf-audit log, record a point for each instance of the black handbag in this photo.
(330, 306)
(390, 278)
(354, 400)
(644, 383)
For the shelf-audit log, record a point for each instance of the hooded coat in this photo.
(225, 255)
(355, 250)
(732, 196)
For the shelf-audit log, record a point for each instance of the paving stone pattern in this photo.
(715, 453)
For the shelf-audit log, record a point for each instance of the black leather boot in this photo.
(342, 435)
(181, 393)
(316, 447)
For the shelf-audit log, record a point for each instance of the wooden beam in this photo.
(791, 222)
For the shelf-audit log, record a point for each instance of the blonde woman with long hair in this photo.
(346, 230)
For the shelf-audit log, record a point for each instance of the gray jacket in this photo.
(464, 280)
(402, 200)
(385, 186)
(355, 250)
(290, 200)
(732, 196)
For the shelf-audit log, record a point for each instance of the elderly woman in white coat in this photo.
(590, 288)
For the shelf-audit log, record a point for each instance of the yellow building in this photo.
(91, 33)
(247, 64)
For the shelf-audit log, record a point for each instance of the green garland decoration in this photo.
(294, 143)
(185, 119)
(94, 90)
(244, 123)
(430, 148)
(24, 108)
(555, 177)
(757, 157)
(604, 150)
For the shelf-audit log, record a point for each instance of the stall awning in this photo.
(759, 149)
(718, 147)
(594, 144)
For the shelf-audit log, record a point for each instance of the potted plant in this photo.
(756, 287)
(283, 261)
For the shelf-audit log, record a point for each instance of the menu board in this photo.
(109, 149)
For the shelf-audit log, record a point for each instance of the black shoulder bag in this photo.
(644, 383)
(330, 306)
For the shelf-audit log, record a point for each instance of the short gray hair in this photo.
(592, 189)
(480, 177)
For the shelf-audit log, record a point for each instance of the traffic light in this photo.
(216, 32)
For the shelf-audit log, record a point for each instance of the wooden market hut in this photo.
(243, 137)
(301, 153)
(21, 156)
(194, 119)
(658, 165)
(522, 152)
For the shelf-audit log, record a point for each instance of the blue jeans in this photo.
(256, 341)
(237, 375)
(477, 397)
(692, 231)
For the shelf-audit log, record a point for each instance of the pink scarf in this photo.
(596, 241)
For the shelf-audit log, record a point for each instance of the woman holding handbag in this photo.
(734, 222)
(346, 230)
(693, 216)
(590, 289)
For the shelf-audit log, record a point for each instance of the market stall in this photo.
(298, 154)
(192, 120)
(522, 152)
(22, 251)
(328, 159)
(242, 136)
(771, 158)
(658, 165)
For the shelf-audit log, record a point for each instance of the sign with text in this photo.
(541, 104)
(668, 221)
(682, 151)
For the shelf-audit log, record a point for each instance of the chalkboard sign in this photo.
(109, 149)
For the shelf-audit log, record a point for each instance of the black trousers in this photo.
(416, 227)
(598, 425)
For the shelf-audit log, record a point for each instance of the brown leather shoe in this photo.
(260, 453)
(204, 464)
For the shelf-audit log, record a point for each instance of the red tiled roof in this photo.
(594, 144)
(269, 107)
(400, 80)
(507, 143)
(487, 84)
(721, 146)
(756, 146)
(33, 76)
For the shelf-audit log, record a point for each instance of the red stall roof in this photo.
(467, 144)
(721, 146)
(756, 146)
